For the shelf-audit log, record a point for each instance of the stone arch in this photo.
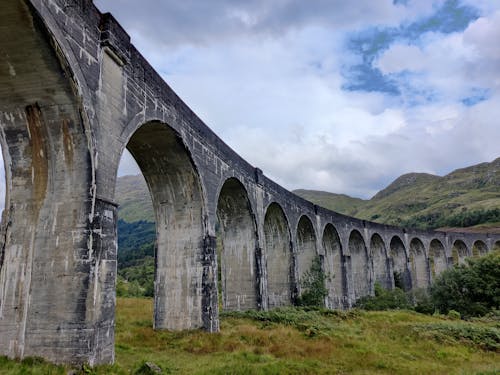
(56, 244)
(179, 207)
(437, 258)
(237, 243)
(459, 252)
(379, 261)
(334, 267)
(418, 263)
(306, 248)
(360, 267)
(279, 256)
(399, 264)
(479, 249)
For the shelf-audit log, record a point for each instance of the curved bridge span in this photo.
(74, 93)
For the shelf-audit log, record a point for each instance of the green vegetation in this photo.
(136, 281)
(385, 300)
(465, 197)
(313, 286)
(296, 341)
(472, 289)
(136, 241)
(467, 290)
(133, 196)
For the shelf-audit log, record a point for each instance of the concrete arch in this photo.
(360, 268)
(459, 252)
(306, 249)
(56, 235)
(418, 263)
(479, 249)
(380, 264)
(334, 267)
(279, 256)
(179, 207)
(399, 260)
(437, 258)
(237, 242)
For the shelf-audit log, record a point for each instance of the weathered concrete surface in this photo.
(74, 93)
(334, 268)
(279, 257)
(239, 273)
(306, 250)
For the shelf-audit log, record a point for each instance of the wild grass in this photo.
(297, 341)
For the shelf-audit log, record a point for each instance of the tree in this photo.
(473, 289)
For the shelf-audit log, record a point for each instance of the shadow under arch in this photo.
(179, 207)
(459, 252)
(496, 246)
(360, 267)
(380, 263)
(418, 263)
(437, 258)
(479, 249)
(236, 246)
(401, 275)
(306, 250)
(334, 268)
(279, 256)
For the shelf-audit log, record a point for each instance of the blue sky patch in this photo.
(372, 42)
(477, 95)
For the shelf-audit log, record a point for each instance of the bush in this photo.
(385, 300)
(313, 284)
(472, 289)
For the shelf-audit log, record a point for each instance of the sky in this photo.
(340, 96)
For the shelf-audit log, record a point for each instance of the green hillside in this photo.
(467, 196)
(133, 196)
(335, 202)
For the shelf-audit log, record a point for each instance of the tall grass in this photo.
(296, 341)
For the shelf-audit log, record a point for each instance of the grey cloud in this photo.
(172, 22)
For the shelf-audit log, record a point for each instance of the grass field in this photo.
(295, 341)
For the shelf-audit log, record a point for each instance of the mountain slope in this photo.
(134, 200)
(427, 201)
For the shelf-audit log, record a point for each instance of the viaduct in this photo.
(74, 93)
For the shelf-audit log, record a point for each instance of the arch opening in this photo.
(136, 230)
(306, 249)
(401, 277)
(418, 263)
(334, 268)
(437, 258)
(279, 256)
(381, 272)
(360, 268)
(178, 205)
(479, 249)
(459, 252)
(237, 241)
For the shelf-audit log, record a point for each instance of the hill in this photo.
(464, 197)
(133, 196)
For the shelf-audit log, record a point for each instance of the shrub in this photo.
(385, 300)
(472, 289)
(313, 285)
